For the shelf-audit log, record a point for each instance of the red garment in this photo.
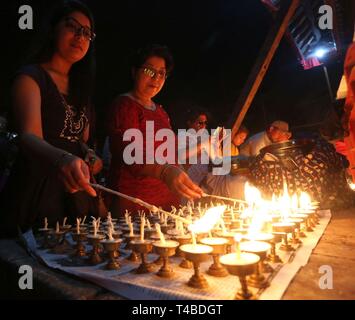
(349, 71)
(125, 113)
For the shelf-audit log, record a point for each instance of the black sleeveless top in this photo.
(62, 124)
(33, 190)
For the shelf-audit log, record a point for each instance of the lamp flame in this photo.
(211, 217)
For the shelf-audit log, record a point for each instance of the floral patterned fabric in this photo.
(319, 172)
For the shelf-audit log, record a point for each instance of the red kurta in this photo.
(125, 113)
(349, 71)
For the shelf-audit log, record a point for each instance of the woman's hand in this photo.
(179, 182)
(75, 174)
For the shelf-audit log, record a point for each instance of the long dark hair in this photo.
(82, 73)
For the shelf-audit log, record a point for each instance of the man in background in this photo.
(278, 131)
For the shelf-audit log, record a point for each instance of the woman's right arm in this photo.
(73, 171)
(123, 117)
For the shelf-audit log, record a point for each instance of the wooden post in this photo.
(261, 65)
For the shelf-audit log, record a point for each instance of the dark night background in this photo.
(214, 43)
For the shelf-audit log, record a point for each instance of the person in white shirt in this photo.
(197, 119)
(278, 131)
(222, 185)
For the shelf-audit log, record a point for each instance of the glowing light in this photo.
(320, 53)
(208, 220)
(305, 201)
(252, 195)
(285, 203)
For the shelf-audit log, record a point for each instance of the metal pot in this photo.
(284, 152)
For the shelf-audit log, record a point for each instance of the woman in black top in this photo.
(53, 115)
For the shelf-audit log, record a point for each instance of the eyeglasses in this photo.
(74, 26)
(151, 72)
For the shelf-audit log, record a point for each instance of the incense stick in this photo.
(223, 198)
(149, 206)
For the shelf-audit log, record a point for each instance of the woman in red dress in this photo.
(158, 184)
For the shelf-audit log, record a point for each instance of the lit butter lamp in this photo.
(111, 246)
(303, 225)
(197, 253)
(257, 279)
(309, 222)
(295, 233)
(264, 237)
(229, 236)
(273, 257)
(219, 246)
(241, 264)
(309, 208)
(165, 249)
(202, 227)
(182, 240)
(286, 228)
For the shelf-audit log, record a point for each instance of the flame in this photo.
(252, 195)
(254, 200)
(306, 203)
(294, 203)
(211, 217)
(259, 211)
(247, 213)
(282, 205)
(258, 220)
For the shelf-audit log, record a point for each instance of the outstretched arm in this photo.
(72, 170)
